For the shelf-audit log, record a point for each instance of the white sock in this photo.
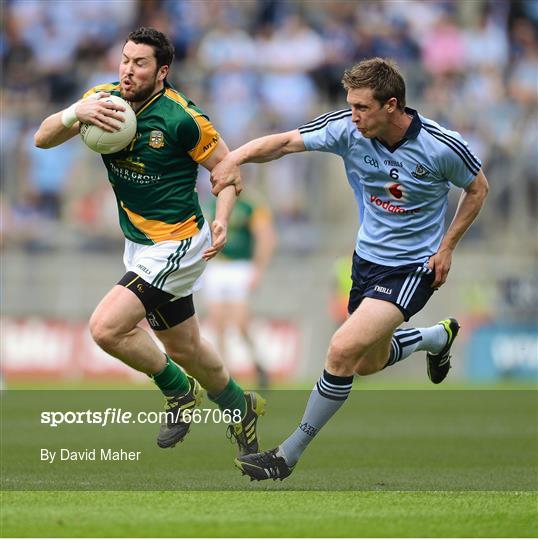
(434, 338)
(406, 341)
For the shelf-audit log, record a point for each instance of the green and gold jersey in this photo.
(154, 178)
(240, 238)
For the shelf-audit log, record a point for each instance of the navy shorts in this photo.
(408, 287)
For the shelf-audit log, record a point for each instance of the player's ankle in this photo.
(280, 453)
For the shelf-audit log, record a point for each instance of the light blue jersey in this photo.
(401, 191)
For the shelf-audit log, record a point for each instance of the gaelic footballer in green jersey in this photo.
(167, 241)
(154, 178)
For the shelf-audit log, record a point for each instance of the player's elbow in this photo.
(479, 189)
(292, 142)
(485, 188)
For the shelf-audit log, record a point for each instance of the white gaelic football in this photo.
(108, 142)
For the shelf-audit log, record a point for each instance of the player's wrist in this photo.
(69, 115)
(448, 246)
(237, 157)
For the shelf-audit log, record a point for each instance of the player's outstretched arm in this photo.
(469, 206)
(260, 150)
(62, 126)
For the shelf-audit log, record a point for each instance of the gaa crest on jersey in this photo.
(420, 171)
(156, 139)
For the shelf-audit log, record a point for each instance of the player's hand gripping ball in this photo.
(106, 142)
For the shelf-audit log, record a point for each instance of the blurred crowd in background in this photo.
(259, 66)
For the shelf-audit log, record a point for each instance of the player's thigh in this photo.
(181, 341)
(370, 325)
(120, 310)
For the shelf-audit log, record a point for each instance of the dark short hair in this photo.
(164, 50)
(381, 75)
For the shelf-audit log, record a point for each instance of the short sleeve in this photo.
(328, 133)
(195, 132)
(457, 163)
(197, 136)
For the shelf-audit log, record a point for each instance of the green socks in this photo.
(172, 379)
(231, 398)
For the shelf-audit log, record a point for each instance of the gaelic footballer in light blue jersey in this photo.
(401, 190)
(400, 167)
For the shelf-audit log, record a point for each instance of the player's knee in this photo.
(105, 335)
(341, 358)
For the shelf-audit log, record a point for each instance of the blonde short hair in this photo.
(381, 75)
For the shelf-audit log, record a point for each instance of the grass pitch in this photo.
(268, 514)
(391, 463)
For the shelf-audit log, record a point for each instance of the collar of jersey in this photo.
(412, 131)
(150, 100)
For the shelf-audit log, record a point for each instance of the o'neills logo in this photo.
(392, 208)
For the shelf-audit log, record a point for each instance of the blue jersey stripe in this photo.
(323, 125)
(307, 128)
(474, 169)
(322, 117)
(458, 143)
